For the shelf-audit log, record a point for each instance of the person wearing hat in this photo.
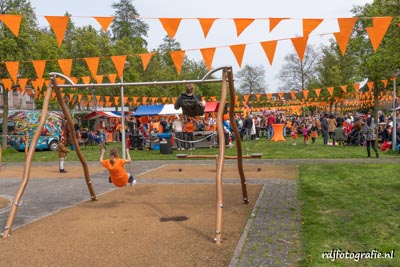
(178, 130)
(62, 153)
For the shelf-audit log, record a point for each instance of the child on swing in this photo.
(115, 166)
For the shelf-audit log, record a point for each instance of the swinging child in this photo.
(115, 166)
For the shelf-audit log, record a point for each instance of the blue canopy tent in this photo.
(150, 110)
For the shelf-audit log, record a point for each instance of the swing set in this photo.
(227, 82)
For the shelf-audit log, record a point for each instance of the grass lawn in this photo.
(352, 208)
(269, 150)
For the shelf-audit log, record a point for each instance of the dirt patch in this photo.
(144, 225)
(48, 171)
(260, 171)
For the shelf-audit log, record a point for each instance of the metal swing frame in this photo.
(227, 82)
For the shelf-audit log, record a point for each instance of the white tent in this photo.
(169, 109)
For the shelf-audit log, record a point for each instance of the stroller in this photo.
(355, 138)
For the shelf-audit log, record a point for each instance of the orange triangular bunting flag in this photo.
(104, 22)
(309, 25)
(22, 83)
(384, 83)
(242, 24)
(99, 79)
(112, 77)
(330, 90)
(246, 97)
(12, 68)
(378, 31)
(65, 66)
(208, 56)
(269, 49)
(344, 88)
(80, 98)
(238, 52)
(206, 25)
(293, 94)
(305, 93)
(170, 25)
(163, 99)
(74, 79)
(86, 79)
(258, 96)
(119, 63)
(317, 91)
(356, 86)
(346, 26)
(116, 99)
(59, 25)
(13, 22)
(93, 64)
(39, 66)
(370, 85)
(145, 59)
(144, 99)
(177, 58)
(300, 44)
(269, 96)
(273, 22)
(7, 84)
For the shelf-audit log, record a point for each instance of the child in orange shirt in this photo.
(293, 133)
(189, 129)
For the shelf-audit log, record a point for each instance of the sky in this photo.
(223, 32)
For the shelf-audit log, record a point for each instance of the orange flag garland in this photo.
(170, 25)
(146, 59)
(39, 66)
(346, 26)
(269, 48)
(12, 68)
(208, 56)
(273, 22)
(93, 65)
(309, 25)
(238, 52)
(65, 66)
(300, 44)
(206, 25)
(119, 64)
(241, 25)
(13, 22)
(59, 25)
(177, 58)
(104, 22)
(378, 31)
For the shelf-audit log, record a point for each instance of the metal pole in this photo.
(123, 141)
(394, 130)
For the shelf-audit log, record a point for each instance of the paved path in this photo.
(270, 238)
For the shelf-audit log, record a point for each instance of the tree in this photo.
(13, 48)
(251, 80)
(336, 70)
(298, 74)
(385, 61)
(127, 24)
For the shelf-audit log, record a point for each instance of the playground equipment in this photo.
(226, 80)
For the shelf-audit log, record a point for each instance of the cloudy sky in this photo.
(223, 32)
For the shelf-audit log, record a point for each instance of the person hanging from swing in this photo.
(115, 166)
(191, 105)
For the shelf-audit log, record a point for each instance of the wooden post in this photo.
(27, 168)
(237, 134)
(74, 139)
(1, 158)
(220, 160)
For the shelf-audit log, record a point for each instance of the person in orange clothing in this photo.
(115, 166)
(189, 129)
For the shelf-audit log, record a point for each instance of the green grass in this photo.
(269, 150)
(349, 207)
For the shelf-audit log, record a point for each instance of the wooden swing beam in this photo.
(227, 81)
